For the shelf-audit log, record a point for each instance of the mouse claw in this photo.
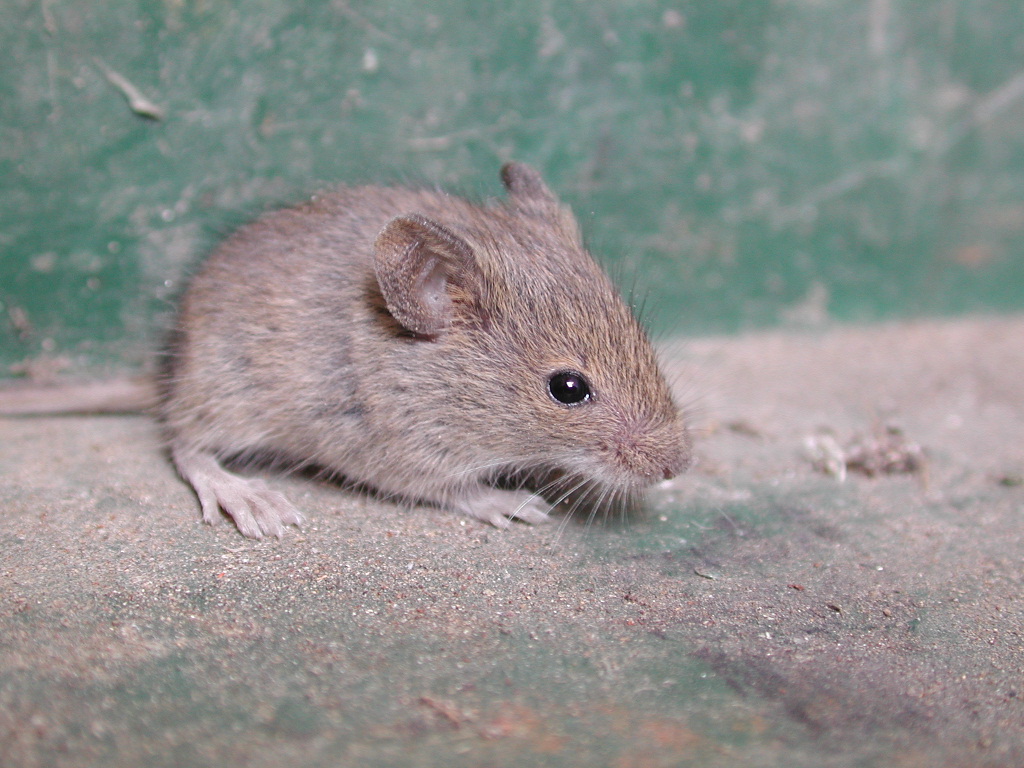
(256, 509)
(534, 511)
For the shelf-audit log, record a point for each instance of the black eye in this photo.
(569, 387)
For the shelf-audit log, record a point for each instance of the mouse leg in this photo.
(255, 508)
(500, 508)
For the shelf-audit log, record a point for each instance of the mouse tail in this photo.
(128, 395)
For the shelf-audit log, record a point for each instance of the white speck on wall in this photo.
(371, 61)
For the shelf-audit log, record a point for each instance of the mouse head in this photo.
(557, 373)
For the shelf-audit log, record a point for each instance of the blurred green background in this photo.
(741, 163)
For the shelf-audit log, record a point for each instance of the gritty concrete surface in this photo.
(763, 612)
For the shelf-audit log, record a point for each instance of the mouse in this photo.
(466, 355)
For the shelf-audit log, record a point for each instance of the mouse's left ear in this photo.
(419, 265)
(528, 192)
(524, 184)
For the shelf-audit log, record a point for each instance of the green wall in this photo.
(741, 162)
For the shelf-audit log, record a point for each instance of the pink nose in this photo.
(679, 464)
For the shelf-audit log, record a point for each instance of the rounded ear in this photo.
(416, 262)
(525, 184)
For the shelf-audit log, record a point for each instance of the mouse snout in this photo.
(678, 465)
(652, 453)
(678, 460)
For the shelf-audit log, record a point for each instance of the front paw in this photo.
(500, 508)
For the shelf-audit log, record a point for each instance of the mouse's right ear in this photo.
(419, 264)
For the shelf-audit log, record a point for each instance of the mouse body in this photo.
(428, 348)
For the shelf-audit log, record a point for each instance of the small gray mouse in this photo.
(422, 346)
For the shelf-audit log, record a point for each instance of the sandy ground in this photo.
(778, 606)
